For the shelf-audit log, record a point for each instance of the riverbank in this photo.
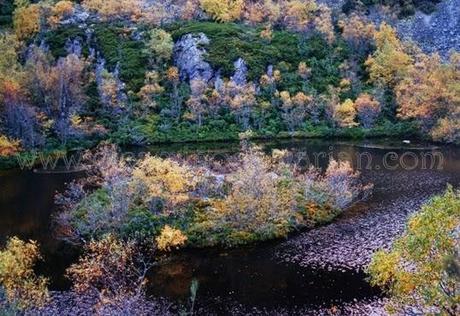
(53, 156)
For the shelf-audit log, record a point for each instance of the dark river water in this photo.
(251, 277)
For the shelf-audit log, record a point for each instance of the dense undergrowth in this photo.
(247, 198)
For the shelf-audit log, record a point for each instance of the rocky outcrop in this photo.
(438, 32)
(241, 72)
(189, 55)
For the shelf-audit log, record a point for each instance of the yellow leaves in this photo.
(170, 238)
(356, 29)
(17, 275)
(300, 13)
(26, 21)
(430, 93)
(172, 74)
(8, 147)
(345, 114)
(303, 70)
(389, 63)
(414, 271)
(223, 10)
(60, 10)
(109, 9)
(383, 267)
(267, 33)
(165, 178)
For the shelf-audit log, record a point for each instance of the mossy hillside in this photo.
(116, 45)
(229, 41)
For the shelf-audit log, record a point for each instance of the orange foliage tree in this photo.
(430, 94)
(368, 109)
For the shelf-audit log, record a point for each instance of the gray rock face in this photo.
(79, 16)
(189, 54)
(73, 47)
(438, 32)
(241, 72)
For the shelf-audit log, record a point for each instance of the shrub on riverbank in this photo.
(23, 288)
(256, 197)
(108, 279)
(422, 270)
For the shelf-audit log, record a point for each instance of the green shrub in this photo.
(118, 48)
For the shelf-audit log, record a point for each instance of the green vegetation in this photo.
(6, 12)
(285, 50)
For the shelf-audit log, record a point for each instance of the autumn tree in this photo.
(257, 205)
(61, 10)
(421, 269)
(324, 196)
(223, 10)
(26, 19)
(389, 63)
(241, 100)
(172, 75)
(115, 9)
(269, 82)
(112, 270)
(58, 88)
(299, 15)
(10, 68)
(323, 23)
(368, 109)
(151, 90)
(8, 147)
(164, 181)
(345, 114)
(358, 32)
(294, 109)
(429, 94)
(20, 118)
(23, 287)
(196, 104)
(170, 238)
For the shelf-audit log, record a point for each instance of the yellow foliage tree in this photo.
(299, 14)
(345, 114)
(113, 9)
(421, 269)
(17, 276)
(60, 10)
(358, 32)
(26, 21)
(257, 202)
(223, 10)
(170, 238)
(165, 179)
(430, 93)
(389, 63)
(8, 147)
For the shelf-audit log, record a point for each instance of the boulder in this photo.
(189, 55)
(241, 72)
